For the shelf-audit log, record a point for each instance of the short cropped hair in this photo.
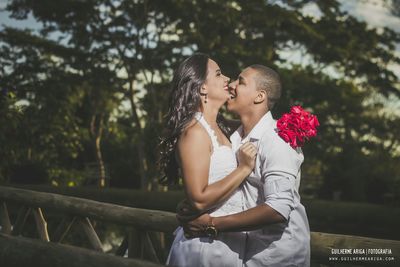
(267, 79)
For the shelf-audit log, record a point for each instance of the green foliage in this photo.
(105, 76)
(9, 121)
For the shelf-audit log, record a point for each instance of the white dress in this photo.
(227, 249)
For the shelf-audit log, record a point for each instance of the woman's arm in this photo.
(194, 147)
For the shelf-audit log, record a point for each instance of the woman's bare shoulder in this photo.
(194, 135)
(193, 131)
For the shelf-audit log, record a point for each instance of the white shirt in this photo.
(275, 181)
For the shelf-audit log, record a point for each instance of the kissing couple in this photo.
(242, 204)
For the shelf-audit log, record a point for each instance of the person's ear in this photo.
(204, 93)
(203, 90)
(261, 97)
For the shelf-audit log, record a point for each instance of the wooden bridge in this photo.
(144, 242)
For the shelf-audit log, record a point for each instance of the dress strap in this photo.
(200, 118)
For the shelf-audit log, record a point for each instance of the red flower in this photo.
(297, 126)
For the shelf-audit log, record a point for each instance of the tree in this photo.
(342, 73)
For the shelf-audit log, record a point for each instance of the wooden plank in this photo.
(63, 229)
(22, 216)
(157, 239)
(354, 218)
(323, 245)
(165, 222)
(88, 228)
(20, 251)
(41, 224)
(144, 219)
(149, 252)
(135, 247)
(5, 222)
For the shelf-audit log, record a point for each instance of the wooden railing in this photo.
(142, 242)
(145, 241)
(27, 252)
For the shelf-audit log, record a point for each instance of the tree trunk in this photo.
(140, 145)
(96, 129)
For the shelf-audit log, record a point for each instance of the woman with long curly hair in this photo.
(196, 148)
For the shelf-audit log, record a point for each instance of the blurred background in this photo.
(84, 86)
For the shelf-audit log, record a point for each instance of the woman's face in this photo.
(216, 84)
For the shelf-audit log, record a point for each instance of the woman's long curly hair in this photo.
(184, 102)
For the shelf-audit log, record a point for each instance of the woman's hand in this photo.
(247, 156)
(195, 159)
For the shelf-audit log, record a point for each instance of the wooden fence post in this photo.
(63, 228)
(149, 252)
(22, 216)
(41, 224)
(94, 240)
(5, 219)
(134, 244)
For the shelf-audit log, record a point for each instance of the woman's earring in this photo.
(205, 96)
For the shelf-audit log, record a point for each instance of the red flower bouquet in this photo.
(297, 126)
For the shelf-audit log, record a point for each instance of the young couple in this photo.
(245, 188)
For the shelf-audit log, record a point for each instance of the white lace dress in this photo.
(228, 248)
